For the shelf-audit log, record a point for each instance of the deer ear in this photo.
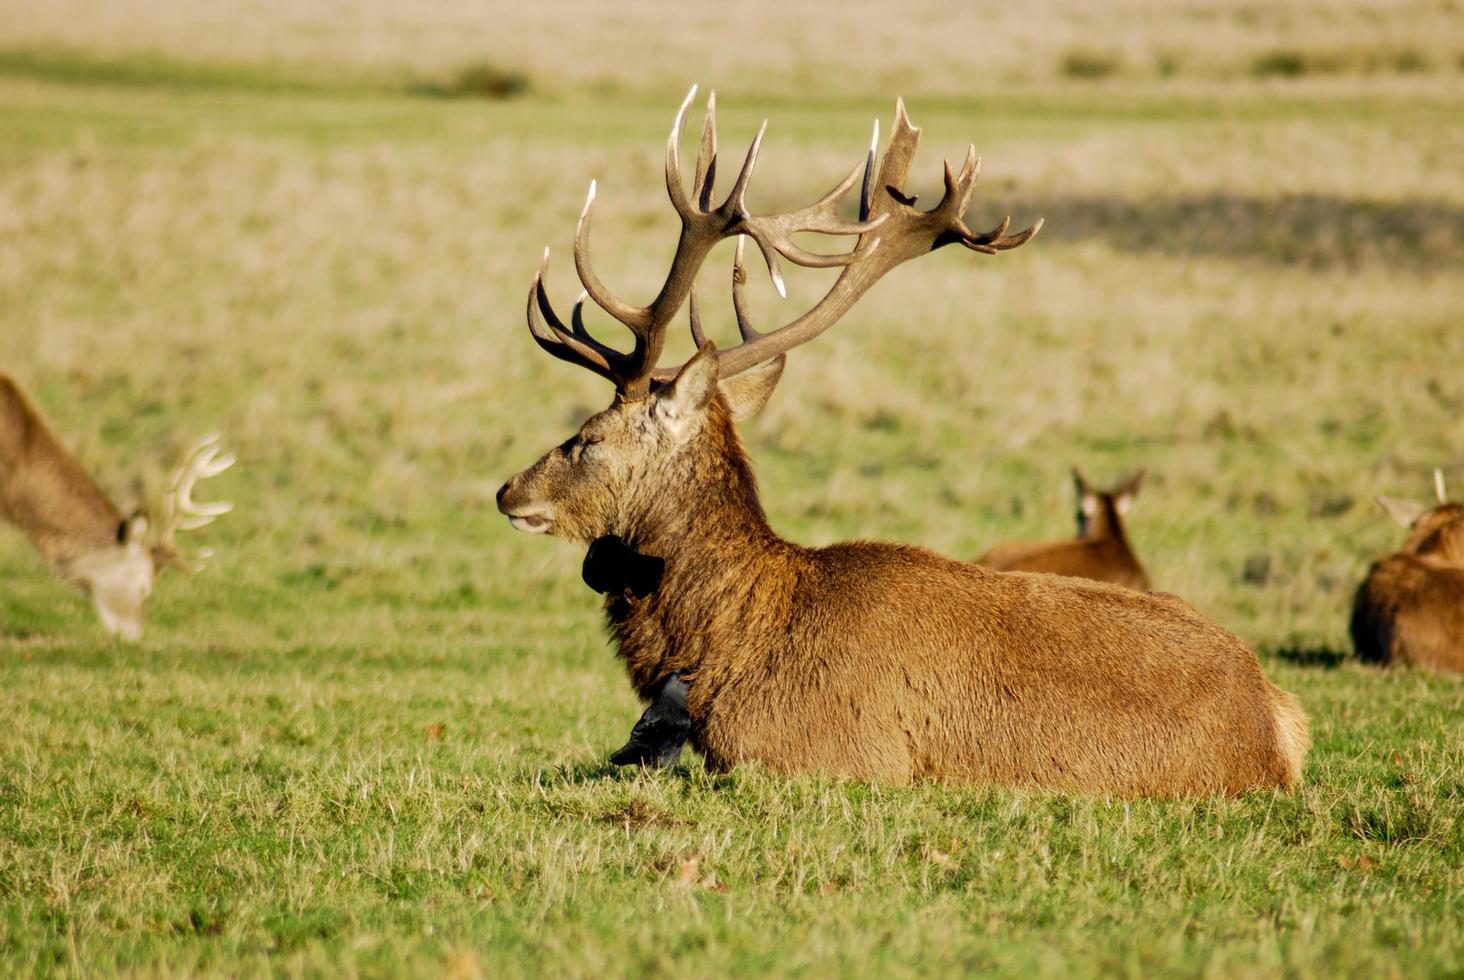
(1405, 512)
(686, 396)
(1080, 485)
(1123, 498)
(1087, 499)
(748, 392)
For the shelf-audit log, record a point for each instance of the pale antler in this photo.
(904, 233)
(1439, 489)
(180, 511)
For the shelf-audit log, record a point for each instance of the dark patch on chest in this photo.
(614, 568)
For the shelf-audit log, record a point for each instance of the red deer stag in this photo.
(1410, 608)
(78, 531)
(1101, 550)
(876, 661)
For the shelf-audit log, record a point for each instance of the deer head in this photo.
(119, 578)
(1098, 508)
(665, 427)
(1436, 530)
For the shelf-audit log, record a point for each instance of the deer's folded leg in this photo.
(660, 735)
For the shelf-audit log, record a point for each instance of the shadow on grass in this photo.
(1312, 230)
(1308, 655)
(596, 771)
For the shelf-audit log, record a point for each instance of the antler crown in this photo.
(889, 230)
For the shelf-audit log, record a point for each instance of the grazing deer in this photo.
(1410, 608)
(877, 661)
(1101, 550)
(78, 531)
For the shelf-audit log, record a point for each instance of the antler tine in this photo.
(181, 511)
(576, 347)
(736, 204)
(773, 233)
(637, 318)
(706, 158)
(866, 190)
(675, 187)
(970, 171)
(739, 297)
(698, 335)
(1439, 490)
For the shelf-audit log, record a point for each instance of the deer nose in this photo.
(502, 492)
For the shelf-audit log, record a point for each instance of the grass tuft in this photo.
(480, 80)
(1088, 64)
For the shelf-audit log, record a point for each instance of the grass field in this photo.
(370, 738)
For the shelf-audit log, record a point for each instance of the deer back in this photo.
(43, 489)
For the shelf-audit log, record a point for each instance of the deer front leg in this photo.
(613, 567)
(662, 732)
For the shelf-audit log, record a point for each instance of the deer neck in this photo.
(1104, 525)
(725, 568)
(67, 537)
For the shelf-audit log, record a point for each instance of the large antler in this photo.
(180, 511)
(890, 231)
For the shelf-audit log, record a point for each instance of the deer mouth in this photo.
(530, 523)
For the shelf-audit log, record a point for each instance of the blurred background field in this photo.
(369, 737)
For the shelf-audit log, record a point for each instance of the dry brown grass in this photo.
(861, 46)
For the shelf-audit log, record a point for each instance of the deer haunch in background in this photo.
(1101, 550)
(78, 531)
(872, 660)
(1410, 608)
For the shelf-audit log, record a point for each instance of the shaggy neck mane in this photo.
(724, 565)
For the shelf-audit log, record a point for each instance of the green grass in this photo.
(370, 738)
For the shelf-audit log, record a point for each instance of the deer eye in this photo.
(584, 445)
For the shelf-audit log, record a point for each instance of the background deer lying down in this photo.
(1101, 550)
(1410, 608)
(878, 661)
(78, 531)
